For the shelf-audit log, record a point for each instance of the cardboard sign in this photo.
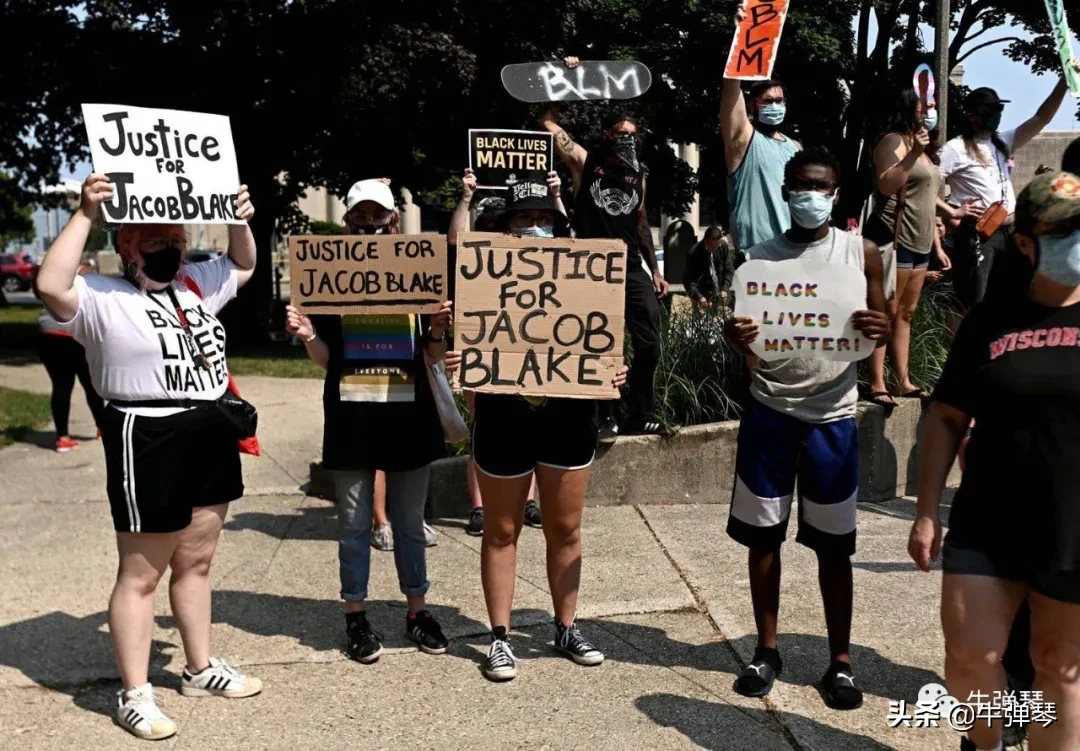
(540, 317)
(167, 166)
(368, 274)
(1060, 27)
(804, 309)
(501, 158)
(923, 82)
(753, 52)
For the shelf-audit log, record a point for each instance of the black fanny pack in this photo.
(240, 414)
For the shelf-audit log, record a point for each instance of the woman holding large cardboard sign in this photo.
(156, 353)
(379, 414)
(514, 439)
(1014, 527)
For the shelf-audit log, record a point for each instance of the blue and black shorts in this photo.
(776, 452)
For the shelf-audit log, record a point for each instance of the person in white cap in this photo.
(379, 414)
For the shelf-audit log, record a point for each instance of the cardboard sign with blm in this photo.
(368, 274)
(539, 316)
(166, 166)
(757, 38)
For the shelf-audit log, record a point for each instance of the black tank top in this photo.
(607, 203)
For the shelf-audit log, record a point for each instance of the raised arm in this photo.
(242, 249)
(735, 125)
(56, 277)
(1045, 113)
(893, 160)
(459, 222)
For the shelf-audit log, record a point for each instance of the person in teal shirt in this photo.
(755, 152)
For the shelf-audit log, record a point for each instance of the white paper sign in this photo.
(167, 166)
(804, 309)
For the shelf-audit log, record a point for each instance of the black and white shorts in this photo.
(160, 468)
(511, 435)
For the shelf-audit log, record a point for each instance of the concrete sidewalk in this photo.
(664, 594)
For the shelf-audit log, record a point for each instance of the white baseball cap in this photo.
(370, 190)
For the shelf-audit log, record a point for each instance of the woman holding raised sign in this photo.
(379, 414)
(156, 353)
(515, 438)
(903, 226)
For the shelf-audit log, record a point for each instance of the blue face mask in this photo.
(930, 121)
(535, 231)
(1059, 258)
(772, 114)
(810, 209)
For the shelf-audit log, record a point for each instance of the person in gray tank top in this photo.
(755, 152)
(799, 426)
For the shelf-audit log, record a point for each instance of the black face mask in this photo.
(625, 149)
(162, 265)
(371, 230)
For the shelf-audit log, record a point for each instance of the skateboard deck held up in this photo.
(591, 80)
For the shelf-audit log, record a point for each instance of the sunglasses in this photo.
(160, 243)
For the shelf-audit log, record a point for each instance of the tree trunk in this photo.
(852, 199)
(911, 42)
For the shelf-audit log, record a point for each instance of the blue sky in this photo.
(1013, 81)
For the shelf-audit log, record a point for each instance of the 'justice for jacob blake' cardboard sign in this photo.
(368, 274)
(804, 309)
(167, 166)
(540, 317)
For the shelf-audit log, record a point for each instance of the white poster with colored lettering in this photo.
(803, 309)
(167, 166)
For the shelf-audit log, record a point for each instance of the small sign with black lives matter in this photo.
(167, 166)
(501, 158)
(540, 316)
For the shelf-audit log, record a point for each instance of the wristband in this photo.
(311, 338)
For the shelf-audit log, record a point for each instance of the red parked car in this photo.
(16, 272)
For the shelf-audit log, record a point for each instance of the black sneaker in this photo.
(757, 679)
(365, 643)
(651, 426)
(532, 514)
(571, 643)
(500, 665)
(475, 527)
(608, 433)
(838, 687)
(424, 630)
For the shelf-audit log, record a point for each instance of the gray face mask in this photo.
(625, 149)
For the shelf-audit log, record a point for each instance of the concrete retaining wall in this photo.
(698, 465)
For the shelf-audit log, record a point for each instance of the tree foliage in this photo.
(16, 217)
(325, 92)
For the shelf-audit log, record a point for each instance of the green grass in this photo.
(18, 327)
(21, 413)
(278, 360)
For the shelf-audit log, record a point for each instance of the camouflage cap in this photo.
(1048, 200)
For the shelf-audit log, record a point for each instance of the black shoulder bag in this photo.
(239, 413)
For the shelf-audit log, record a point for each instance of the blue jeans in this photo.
(406, 496)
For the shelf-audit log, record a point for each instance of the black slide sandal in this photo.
(877, 397)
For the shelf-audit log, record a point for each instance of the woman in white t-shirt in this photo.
(156, 353)
(975, 164)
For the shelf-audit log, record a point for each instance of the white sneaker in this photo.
(218, 679)
(431, 537)
(382, 537)
(137, 713)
